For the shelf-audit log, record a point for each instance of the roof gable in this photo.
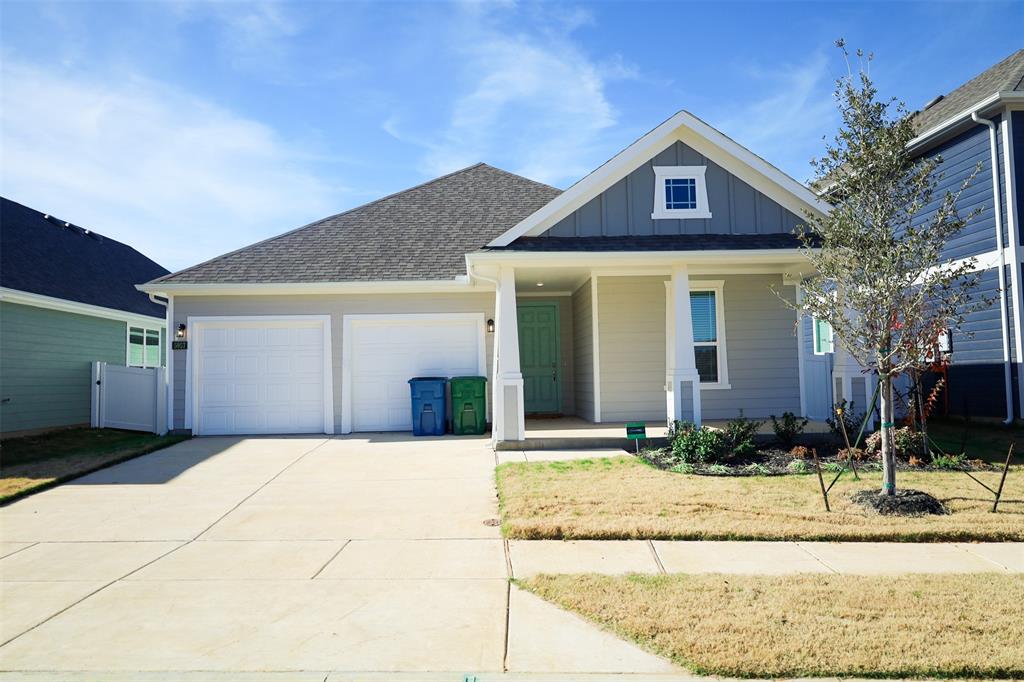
(696, 136)
(42, 255)
(422, 233)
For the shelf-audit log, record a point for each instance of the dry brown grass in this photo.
(772, 626)
(621, 498)
(34, 463)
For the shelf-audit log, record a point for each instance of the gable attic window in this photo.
(680, 192)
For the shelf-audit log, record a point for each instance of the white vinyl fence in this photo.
(130, 398)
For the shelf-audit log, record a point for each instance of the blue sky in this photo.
(188, 129)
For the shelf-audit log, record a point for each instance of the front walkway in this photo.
(282, 554)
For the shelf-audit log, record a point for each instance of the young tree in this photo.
(881, 280)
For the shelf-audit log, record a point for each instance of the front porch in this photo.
(578, 352)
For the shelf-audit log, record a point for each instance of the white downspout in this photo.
(998, 208)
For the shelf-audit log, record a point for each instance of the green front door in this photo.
(538, 356)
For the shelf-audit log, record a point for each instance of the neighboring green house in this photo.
(67, 299)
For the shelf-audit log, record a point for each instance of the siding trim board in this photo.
(1013, 232)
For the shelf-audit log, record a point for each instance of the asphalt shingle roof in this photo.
(41, 255)
(673, 242)
(417, 234)
(1007, 75)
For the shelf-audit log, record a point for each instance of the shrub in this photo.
(798, 466)
(800, 452)
(834, 467)
(846, 454)
(740, 434)
(850, 417)
(949, 461)
(906, 441)
(683, 468)
(700, 446)
(757, 470)
(788, 429)
(719, 470)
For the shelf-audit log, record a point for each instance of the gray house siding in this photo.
(1017, 143)
(46, 361)
(583, 351)
(625, 207)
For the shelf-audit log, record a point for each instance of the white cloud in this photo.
(179, 178)
(534, 101)
(785, 126)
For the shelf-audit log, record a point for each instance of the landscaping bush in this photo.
(699, 446)
(798, 466)
(949, 461)
(788, 429)
(800, 452)
(740, 432)
(906, 441)
(850, 417)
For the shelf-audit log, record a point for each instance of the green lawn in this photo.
(984, 441)
(33, 463)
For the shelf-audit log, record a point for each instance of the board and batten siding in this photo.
(583, 351)
(625, 208)
(761, 344)
(46, 361)
(337, 306)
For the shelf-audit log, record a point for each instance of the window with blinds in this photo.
(704, 313)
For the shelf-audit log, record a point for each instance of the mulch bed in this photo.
(906, 502)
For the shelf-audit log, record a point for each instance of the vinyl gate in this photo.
(129, 398)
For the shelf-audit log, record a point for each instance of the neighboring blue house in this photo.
(978, 125)
(67, 299)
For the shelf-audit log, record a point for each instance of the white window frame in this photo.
(696, 173)
(128, 344)
(815, 339)
(718, 287)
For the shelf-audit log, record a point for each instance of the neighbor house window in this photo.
(143, 347)
(680, 192)
(823, 342)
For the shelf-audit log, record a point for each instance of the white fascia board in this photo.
(688, 128)
(66, 306)
(458, 284)
(631, 258)
(1008, 97)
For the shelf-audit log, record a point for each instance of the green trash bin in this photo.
(469, 405)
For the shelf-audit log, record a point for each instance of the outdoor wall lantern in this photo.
(180, 333)
(490, 326)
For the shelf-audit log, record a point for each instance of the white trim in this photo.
(387, 318)
(689, 129)
(1008, 97)
(194, 324)
(542, 294)
(170, 364)
(66, 306)
(1013, 235)
(718, 287)
(595, 330)
(695, 173)
(128, 343)
(460, 283)
(801, 348)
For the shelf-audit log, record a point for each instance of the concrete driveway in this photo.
(282, 554)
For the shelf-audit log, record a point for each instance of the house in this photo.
(67, 299)
(978, 126)
(653, 288)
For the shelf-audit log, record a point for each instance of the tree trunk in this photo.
(888, 450)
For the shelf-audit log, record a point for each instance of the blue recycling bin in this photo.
(428, 405)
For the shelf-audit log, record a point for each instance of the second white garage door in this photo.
(382, 352)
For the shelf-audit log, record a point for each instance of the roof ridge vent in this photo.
(933, 101)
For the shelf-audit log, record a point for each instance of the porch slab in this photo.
(530, 557)
(763, 558)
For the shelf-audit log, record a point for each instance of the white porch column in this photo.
(509, 417)
(682, 382)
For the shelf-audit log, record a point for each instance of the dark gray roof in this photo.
(42, 255)
(1007, 75)
(420, 233)
(673, 242)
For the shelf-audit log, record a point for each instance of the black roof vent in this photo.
(933, 101)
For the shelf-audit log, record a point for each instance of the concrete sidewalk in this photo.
(529, 557)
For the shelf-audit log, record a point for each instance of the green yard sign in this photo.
(636, 430)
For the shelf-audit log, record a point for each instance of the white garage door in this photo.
(383, 352)
(261, 375)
